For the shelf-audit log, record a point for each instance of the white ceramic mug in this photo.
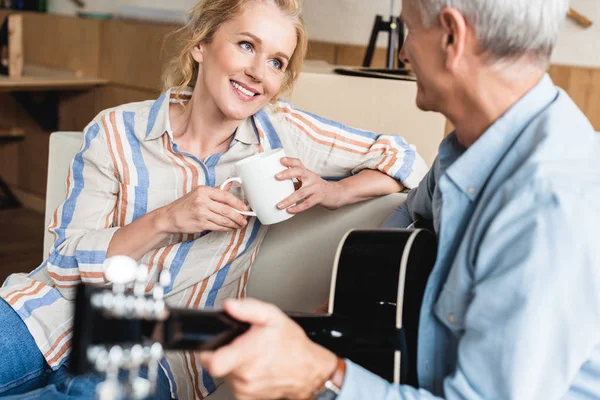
(256, 174)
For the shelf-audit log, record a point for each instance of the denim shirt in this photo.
(512, 306)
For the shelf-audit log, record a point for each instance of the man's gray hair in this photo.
(506, 29)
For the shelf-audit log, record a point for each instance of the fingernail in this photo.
(280, 205)
(279, 175)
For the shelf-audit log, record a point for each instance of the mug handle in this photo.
(238, 180)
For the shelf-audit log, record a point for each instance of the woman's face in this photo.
(243, 67)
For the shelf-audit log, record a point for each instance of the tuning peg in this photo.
(153, 355)
(165, 278)
(120, 270)
(110, 363)
(141, 277)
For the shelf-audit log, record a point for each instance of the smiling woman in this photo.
(146, 184)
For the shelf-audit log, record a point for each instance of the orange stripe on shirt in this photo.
(161, 264)
(261, 139)
(115, 166)
(232, 257)
(126, 176)
(56, 342)
(191, 166)
(325, 133)
(151, 267)
(328, 144)
(15, 299)
(21, 290)
(167, 143)
(390, 164)
(202, 285)
(247, 274)
(60, 353)
(92, 275)
(64, 278)
(195, 374)
(68, 182)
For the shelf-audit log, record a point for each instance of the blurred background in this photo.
(75, 58)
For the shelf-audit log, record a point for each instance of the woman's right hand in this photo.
(203, 209)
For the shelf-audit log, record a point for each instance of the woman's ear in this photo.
(198, 52)
(454, 27)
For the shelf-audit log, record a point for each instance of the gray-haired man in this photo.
(512, 307)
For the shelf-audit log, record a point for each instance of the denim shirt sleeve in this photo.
(360, 384)
(418, 203)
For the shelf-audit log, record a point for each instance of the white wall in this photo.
(350, 21)
(577, 45)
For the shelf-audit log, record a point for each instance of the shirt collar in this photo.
(158, 119)
(472, 167)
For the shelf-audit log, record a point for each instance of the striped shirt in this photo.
(130, 165)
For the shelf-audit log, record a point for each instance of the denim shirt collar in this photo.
(470, 168)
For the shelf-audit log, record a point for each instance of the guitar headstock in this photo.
(113, 329)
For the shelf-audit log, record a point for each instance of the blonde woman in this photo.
(145, 184)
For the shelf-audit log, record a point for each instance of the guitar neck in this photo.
(200, 330)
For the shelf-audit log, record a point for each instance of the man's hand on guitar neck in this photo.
(274, 359)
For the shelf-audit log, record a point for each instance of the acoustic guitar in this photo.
(378, 282)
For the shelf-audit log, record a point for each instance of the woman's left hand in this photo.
(312, 191)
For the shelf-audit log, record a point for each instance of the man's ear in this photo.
(198, 52)
(454, 39)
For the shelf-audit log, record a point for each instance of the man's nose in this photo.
(402, 55)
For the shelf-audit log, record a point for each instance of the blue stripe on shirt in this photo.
(154, 113)
(78, 183)
(407, 164)
(207, 380)
(30, 305)
(270, 132)
(143, 177)
(204, 168)
(80, 257)
(211, 163)
(180, 256)
(165, 364)
(222, 274)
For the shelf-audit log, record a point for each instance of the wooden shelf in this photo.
(37, 78)
(11, 133)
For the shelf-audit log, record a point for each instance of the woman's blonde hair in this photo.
(205, 18)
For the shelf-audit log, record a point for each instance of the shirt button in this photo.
(452, 318)
(471, 189)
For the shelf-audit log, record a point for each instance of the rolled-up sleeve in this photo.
(418, 203)
(334, 150)
(83, 224)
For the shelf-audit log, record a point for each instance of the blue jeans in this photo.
(24, 373)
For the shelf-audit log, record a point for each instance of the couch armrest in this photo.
(293, 266)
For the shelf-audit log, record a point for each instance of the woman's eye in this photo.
(246, 46)
(277, 64)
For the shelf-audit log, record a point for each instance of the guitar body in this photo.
(378, 281)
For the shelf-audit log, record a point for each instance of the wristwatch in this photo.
(332, 387)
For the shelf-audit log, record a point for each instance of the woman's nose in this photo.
(256, 71)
